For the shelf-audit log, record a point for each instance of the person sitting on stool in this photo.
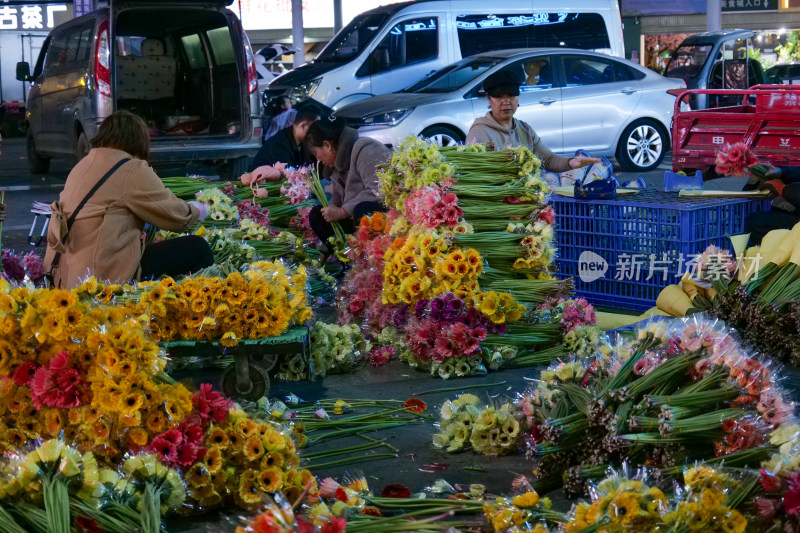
(105, 239)
(785, 212)
(354, 180)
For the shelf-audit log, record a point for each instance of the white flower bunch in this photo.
(340, 348)
(456, 420)
(220, 206)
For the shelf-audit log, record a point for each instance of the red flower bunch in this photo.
(57, 384)
(577, 312)
(360, 294)
(739, 435)
(783, 499)
(444, 327)
(432, 207)
(395, 490)
(734, 159)
(210, 405)
(254, 212)
(181, 446)
(379, 356)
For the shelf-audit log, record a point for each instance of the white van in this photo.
(390, 47)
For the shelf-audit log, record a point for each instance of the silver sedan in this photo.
(574, 99)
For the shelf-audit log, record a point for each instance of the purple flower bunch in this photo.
(16, 267)
(577, 312)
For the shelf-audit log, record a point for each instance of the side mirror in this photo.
(24, 71)
(379, 60)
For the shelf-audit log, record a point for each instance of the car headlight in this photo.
(301, 93)
(392, 118)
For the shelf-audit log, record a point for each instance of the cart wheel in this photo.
(259, 384)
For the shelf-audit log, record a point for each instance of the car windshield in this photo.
(687, 61)
(353, 38)
(454, 76)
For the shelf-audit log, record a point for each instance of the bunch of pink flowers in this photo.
(433, 207)
(298, 190)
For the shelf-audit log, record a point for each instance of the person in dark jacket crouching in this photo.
(286, 146)
(354, 180)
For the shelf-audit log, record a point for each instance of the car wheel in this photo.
(82, 147)
(642, 146)
(36, 163)
(442, 136)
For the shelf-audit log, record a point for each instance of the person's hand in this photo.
(2, 212)
(772, 171)
(202, 207)
(580, 161)
(333, 213)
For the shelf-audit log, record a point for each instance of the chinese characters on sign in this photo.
(716, 267)
(82, 7)
(710, 266)
(32, 17)
(748, 5)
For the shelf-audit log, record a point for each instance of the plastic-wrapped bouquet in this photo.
(337, 348)
(488, 430)
(734, 160)
(220, 206)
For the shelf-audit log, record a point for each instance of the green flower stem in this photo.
(464, 387)
(350, 431)
(703, 398)
(341, 451)
(8, 524)
(382, 441)
(34, 516)
(348, 460)
(107, 521)
(56, 505)
(743, 492)
(151, 510)
(623, 375)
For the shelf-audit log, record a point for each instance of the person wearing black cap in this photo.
(500, 128)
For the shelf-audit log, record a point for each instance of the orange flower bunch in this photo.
(261, 302)
(424, 265)
(55, 340)
(245, 460)
(119, 402)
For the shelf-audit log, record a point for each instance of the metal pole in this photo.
(337, 16)
(713, 15)
(298, 37)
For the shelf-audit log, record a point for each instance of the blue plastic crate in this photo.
(646, 241)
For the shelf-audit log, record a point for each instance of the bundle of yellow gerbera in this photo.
(247, 459)
(522, 512)
(264, 301)
(423, 266)
(620, 504)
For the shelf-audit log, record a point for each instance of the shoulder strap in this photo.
(71, 220)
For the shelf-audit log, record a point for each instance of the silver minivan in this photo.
(188, 71)
(388, 48)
